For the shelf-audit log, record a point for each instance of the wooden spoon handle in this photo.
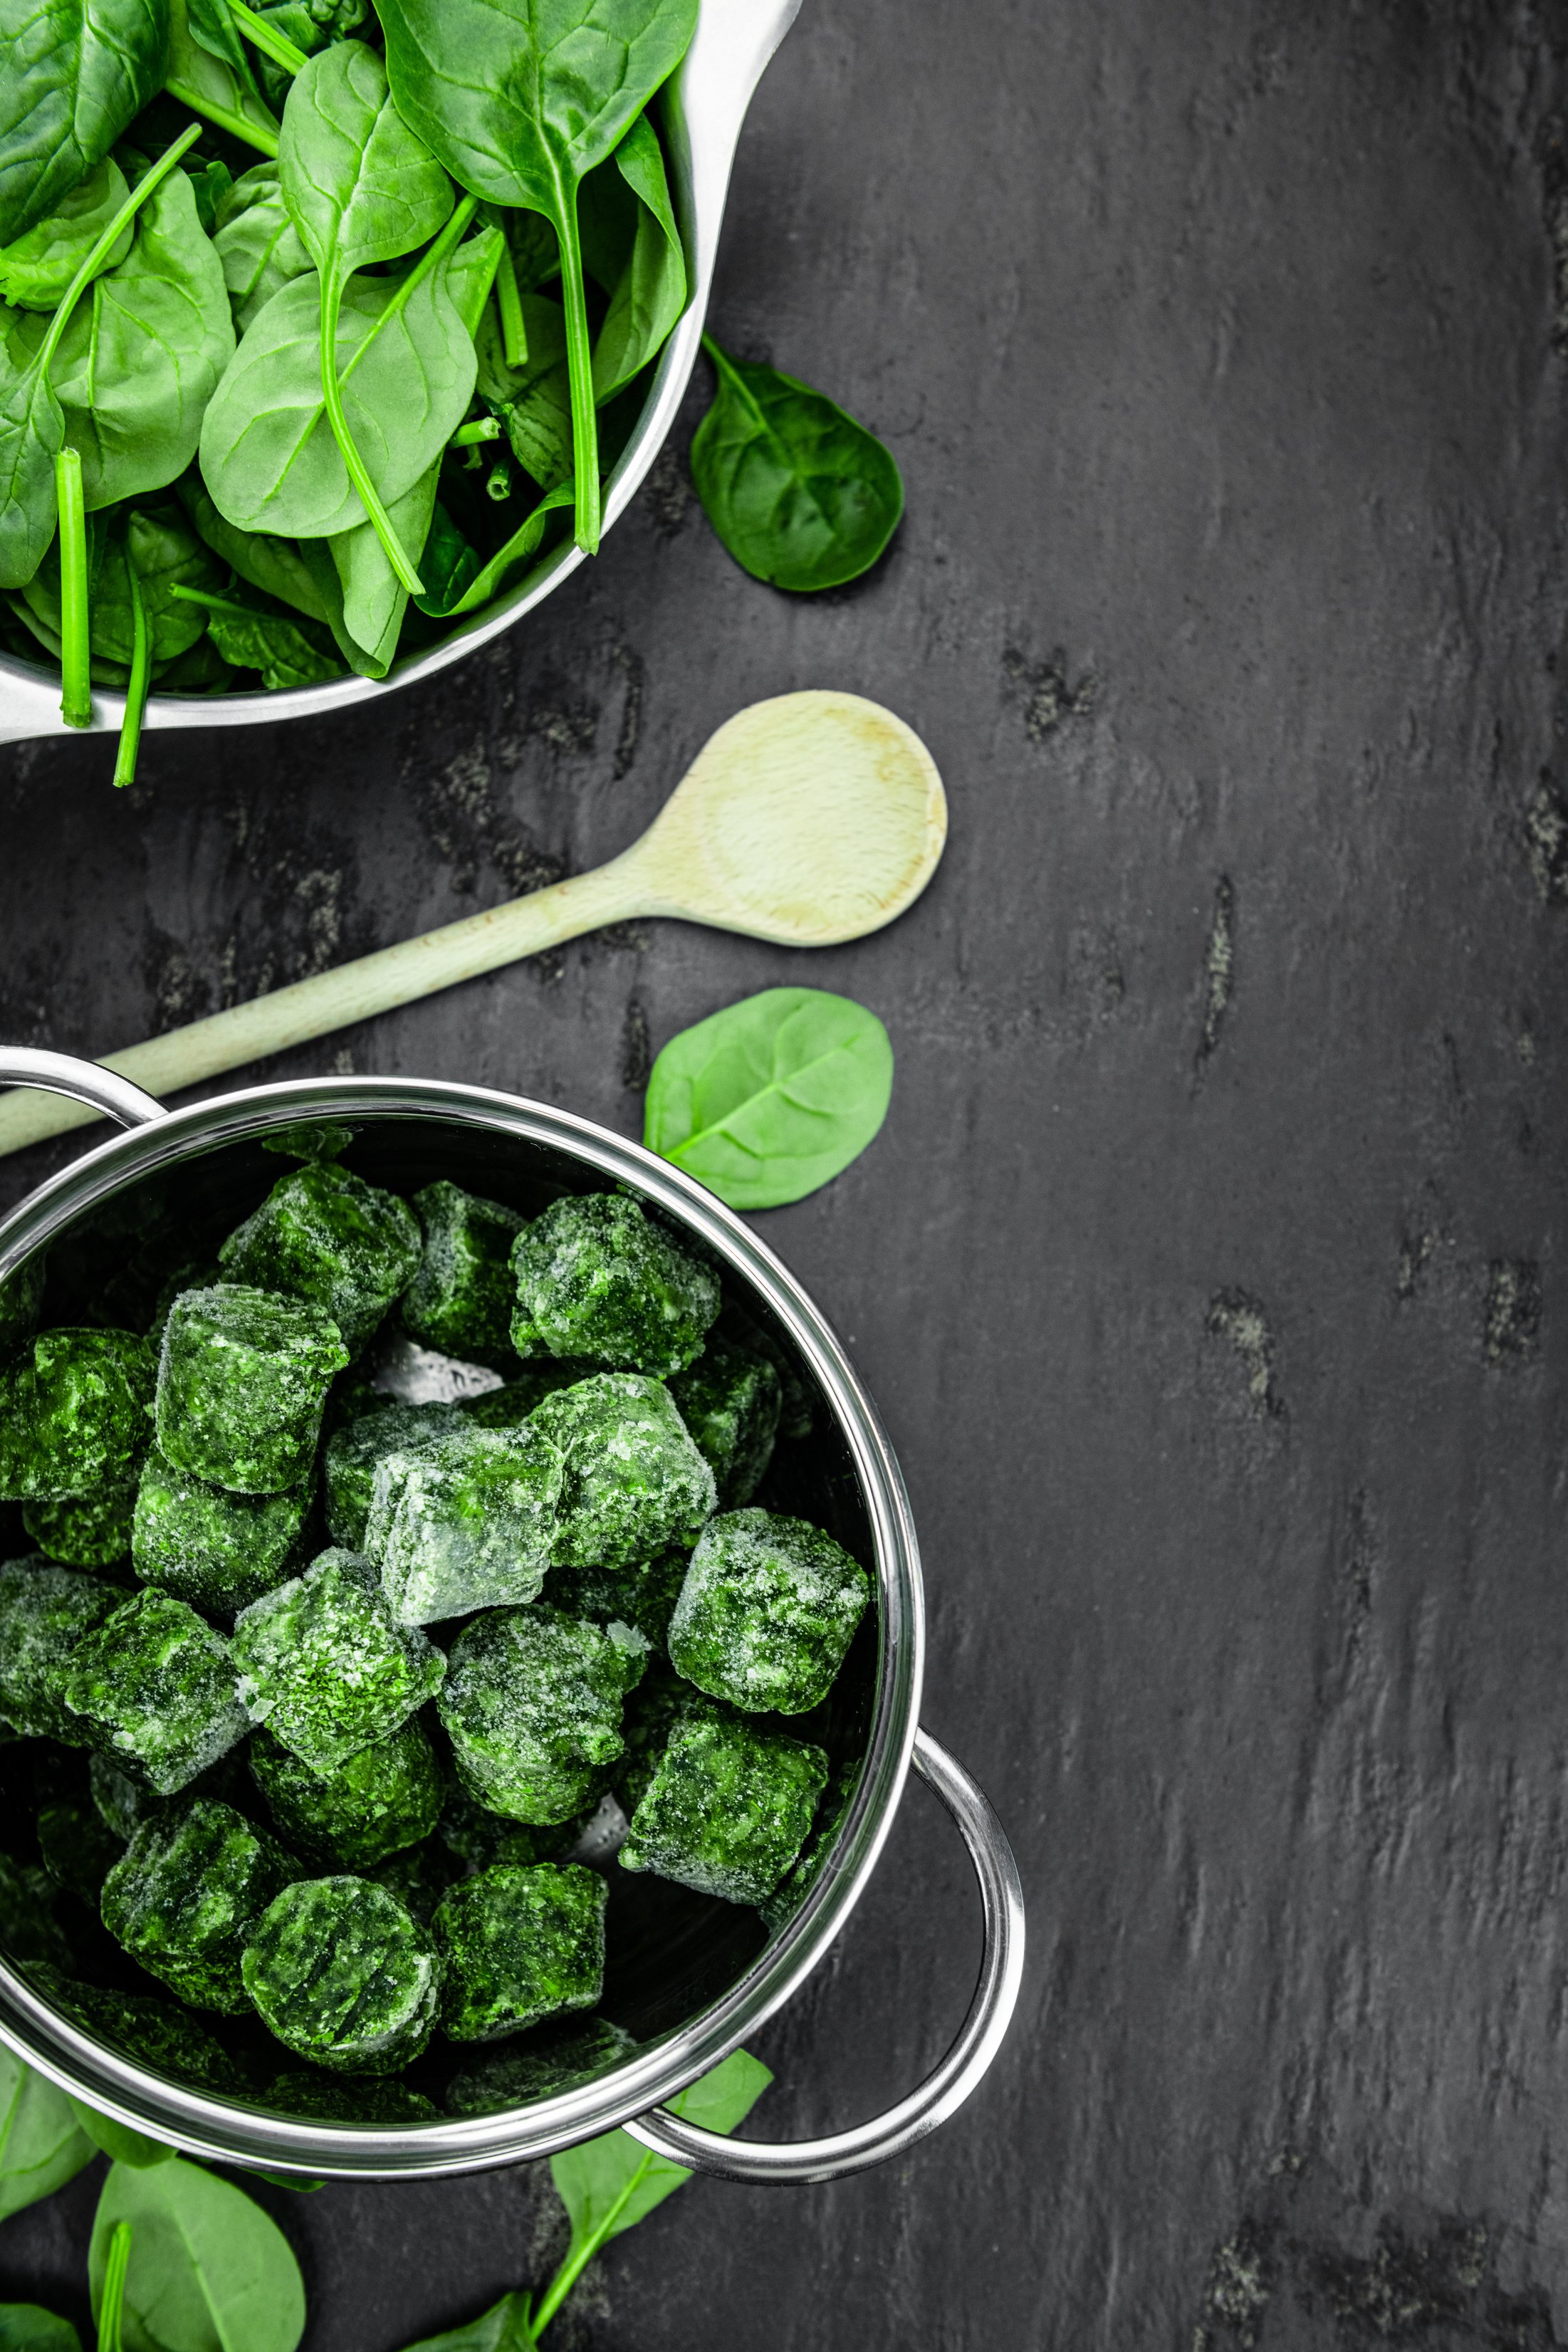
(337, 999)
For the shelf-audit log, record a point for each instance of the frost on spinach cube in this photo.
(728, 1808)
(514, 2073)
(803, 1874)
(342, 1976)
(83, 1530)
(385, 1798)
(464, 1523)
(596, 1277)
(462, 1295)
(634, 1482)
(518, 1945)
(241, 1383)
(730, 1400)
(642, 1596)
(74, 1414)
(77, 1851)
(354, 1454)
(510, 1406)
(21, 1295)
(767, 1611)
(322, 1662)
(326, 1238)
(531, 1705)
(45, 1611)
(153, 1687)
(210, 1546)
(182, 1897)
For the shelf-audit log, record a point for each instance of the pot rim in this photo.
(230, 2130)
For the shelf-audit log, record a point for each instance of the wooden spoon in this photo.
(806, 820)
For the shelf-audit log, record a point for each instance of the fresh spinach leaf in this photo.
(118, 2140)
(405, 363)
(275, 565)
(138, 365)
(24, 2327)
(520, 111)
(75, 77)
(771, 1097)
(503, 2328)
(447, 566)
(253, 636)
(213, 187)
(610, 2184)
(42, 2146)
(361, 188)
(647, 292)
(209, 2272)
(36, 270)
(486, 580)
(209, 84)
(257, 243)
(165, 553)
(801, 495)
(104, 673)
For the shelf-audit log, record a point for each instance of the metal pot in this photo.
(701, 111)
(706, 1980)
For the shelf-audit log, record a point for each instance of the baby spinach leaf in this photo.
(212, 188)
(36, 269)
(801, 495)
(503, 2328)
(75, 77)
(447, 565)
(257, 243)
(520, 110)
(647, 292)
(41, 2144)
(251, 637)
(166, 553)
(505, 567)
(210, 84)
(208, 2272)
(138, 366)
(272, 564)
(24, 2327)
(212, 26)
(118, 2140)
(771, 1097)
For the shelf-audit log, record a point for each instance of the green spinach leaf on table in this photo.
(209, 2271)
(42, 2146)
(257, 243)
(503, 2328)
(632, 246)
(118, 2140)
(803, 496)
(75, 77)
(771, 1097)
(207, 80)
(520, 116)
(37, 268)
(24, 2327)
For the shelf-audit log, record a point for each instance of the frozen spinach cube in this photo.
(210, 1546)
(385, 1798)
(77, 1851)
(83, 1530)
(642, 1596)
(803, 1874)
(531, 1705)
(354, 1454)
(153, 1687)
(328, 1238)
(21, 1295)
(730, 1400)
(74, 1414)
(241, 1383)
(45, 1611)
(508, 1406)
(767, 1611)
(728, 1808)
(342, 1976)
(634, 1482)
(462, 1295)
(465, 1523)
(660, 1701)
(518, 1945)
(334, 2100)
(596, 1277)
(517, 2073)
(184, 1896)
(155, 2033)
(322, 1664)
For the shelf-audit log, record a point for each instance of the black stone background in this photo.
(1212, 1270)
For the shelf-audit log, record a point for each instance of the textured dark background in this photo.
(1211, 1270)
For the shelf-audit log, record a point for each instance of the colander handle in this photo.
(87, 1082)
(942, 2091)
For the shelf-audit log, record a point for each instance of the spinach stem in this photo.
(435, 252)
(580, 369)
(76, 659)
(331, 394)
(99, 252)
(508, 302)
(114, 2304)
(479, 429)
(578, 2256)
(266, 38)
(238, 126)
(237, 612)
(131, 741)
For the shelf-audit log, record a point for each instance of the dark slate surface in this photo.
(1211, 1270)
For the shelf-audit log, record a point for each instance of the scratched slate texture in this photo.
(1212, 1270)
